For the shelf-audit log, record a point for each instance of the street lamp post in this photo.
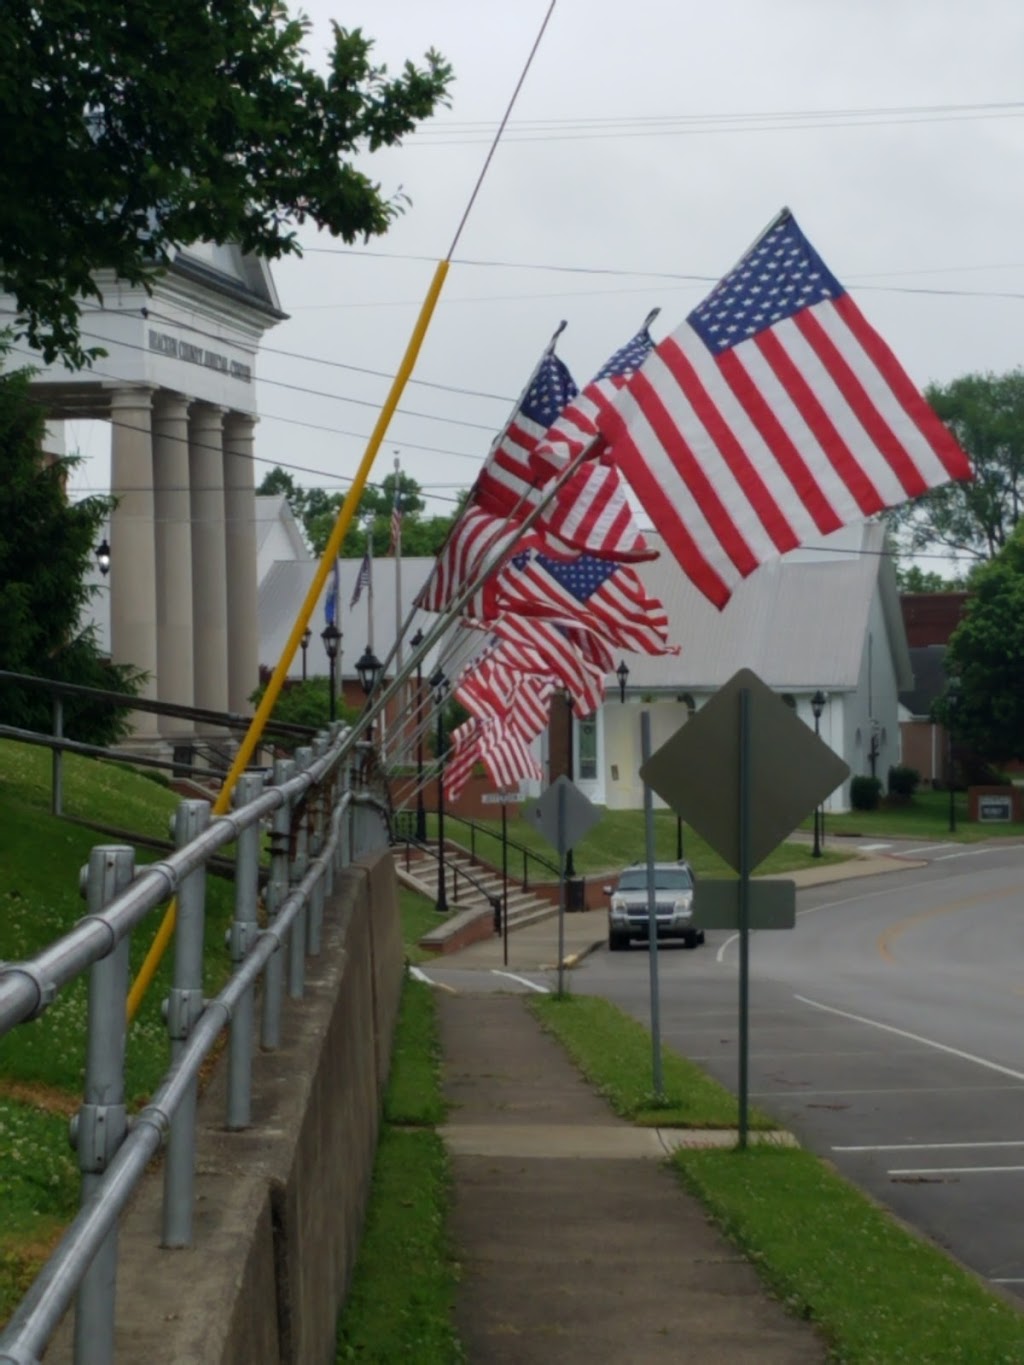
(103, 557)
(569, 871)
(421, 814)
(368, 668)
(307, 635)
(331, 637)
(439, 684)
(817, 706)
(952, 699)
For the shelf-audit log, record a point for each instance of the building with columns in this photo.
(177, 385)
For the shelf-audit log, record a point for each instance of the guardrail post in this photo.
(184, 1007)
(244, 930)
(57, 767)
(277, 890)
(300, 836)
(315, 908)
(100, 1125)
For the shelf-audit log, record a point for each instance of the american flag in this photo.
(598, 595)
(506, 485)
(591, 512)
(773, 415)
(504, 754)
(542, 648)
(362, 580)
(396, 522)
(477, 539)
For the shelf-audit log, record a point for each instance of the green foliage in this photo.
(304, 703)
(317, 511)
(46, 544)
(913, 578)
(865, 793)
(903, 781)
(132, 128)
(986, 652)
(973, 518)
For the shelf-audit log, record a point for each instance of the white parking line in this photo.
(418, 975)
(523, 981)
(1002, 1279)
(928, 1146)
(915, 1037)
(957, 1170)
(872, 848)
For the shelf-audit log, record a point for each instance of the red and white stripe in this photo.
(798, 430)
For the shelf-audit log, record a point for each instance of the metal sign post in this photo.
(504, 883)
(652, 909)
(561, 892)
(744, 871)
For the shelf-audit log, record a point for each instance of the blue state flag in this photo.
(331, 600)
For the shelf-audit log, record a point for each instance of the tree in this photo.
(976, 518)
(986, 653)
(132, 127)
(46, 544)
(915, 579)
(317, 511)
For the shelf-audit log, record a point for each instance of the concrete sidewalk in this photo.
(577, 1242)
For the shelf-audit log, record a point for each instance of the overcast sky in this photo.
(651, 143)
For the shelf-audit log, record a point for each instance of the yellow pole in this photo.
(256, 726)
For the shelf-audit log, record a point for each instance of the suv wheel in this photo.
(617, 942)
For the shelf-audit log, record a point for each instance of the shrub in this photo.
(903, 781)
(865, 793)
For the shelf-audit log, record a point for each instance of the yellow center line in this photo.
(888, 936)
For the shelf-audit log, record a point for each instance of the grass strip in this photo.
(613, 1052)
(400, 1306)
(879, 1293)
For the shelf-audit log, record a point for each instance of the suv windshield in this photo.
(665, 879)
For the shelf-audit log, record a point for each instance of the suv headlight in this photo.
(682, 907)
(618, 908)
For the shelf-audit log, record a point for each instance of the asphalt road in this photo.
(886, 1030)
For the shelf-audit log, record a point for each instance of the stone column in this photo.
(240, 517)
(173, 515)
(209, 563)
(132, 549)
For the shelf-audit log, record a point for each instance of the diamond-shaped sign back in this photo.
(697, 771)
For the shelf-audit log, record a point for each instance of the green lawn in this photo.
(400, 1306)
(925, 816)
(42, 1063)
(615, 841)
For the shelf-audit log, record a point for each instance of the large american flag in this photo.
(773, 415)
(542, 648)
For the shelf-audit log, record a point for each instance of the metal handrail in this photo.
(228, 720)
(512, 843)
(311, 840)
(494, 901)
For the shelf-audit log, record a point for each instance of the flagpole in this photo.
(397, 523)
(369, 587)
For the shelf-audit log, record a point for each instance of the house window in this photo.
(587, 732)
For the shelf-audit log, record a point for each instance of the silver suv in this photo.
(673, 900)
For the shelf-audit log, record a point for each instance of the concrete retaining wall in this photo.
(280, 1206)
